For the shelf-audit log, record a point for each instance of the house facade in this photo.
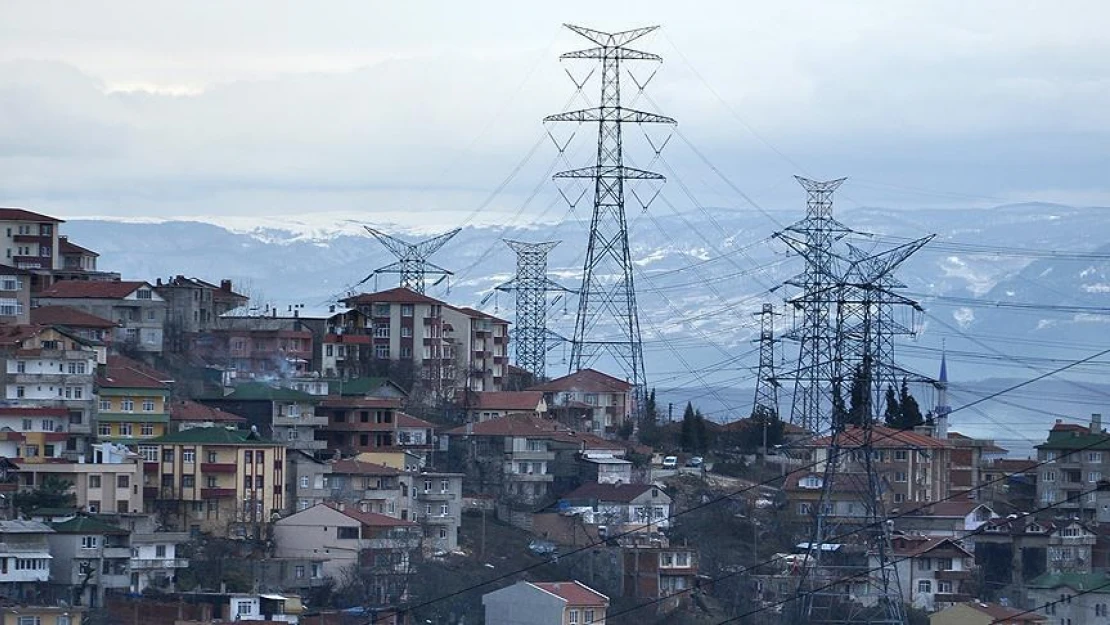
(545, 603)
(590, 400)
(133, 403)
(15, 295)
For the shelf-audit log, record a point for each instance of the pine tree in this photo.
(701, 434)
(893, 414)
(858, 396)
(687, 438)
(649, 429)
(911, 412)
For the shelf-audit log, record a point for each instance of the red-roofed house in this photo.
(545, 603)
(596, 401)
(79, 322)
(934, 573)
(186, 414)
(620, 507)
(377, 548)
(79, 263)
(133, 403)
(491, 405)
(135, 305)
(982, 613)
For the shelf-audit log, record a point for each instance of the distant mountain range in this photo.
(1029, 282)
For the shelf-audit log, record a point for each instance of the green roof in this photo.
(86, 525)
(214, 435)
(361, 386)
(257, 391)
(1089, 582)
(1071, 439)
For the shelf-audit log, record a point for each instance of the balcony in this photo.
(158, 564)
(160, 538)
(530, 455)
(953, 576)
(218, 467)
(308, 444)
(150, 492)
(314, 422)
(439, 519)
(217, 493)
(116, 552)
(435, 495)
(531, 477)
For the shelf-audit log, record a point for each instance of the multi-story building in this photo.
(155, 559)
(492, 405)
(545, 603)
(107, 479)
(437, 506)
(193, 305)
(307, 480)
(133, 404)
(510, 458)
(659, 571)
(969, 457)
(49, 367)
(30, 241)
(1074, 459)
(90, 557)
(79, 263)
(1070, 544)
(284, 414)
(15, 295)
(186, 415)
(215, 479)
(590, 400)
(1070, 598)
(933, 573)
(376, 549)
(95, 330)
(135, 305)
(33, 435)
(24, 560)
(449, 348)
(367, 424)
(43, 614)
(620, 508)
(257, 346)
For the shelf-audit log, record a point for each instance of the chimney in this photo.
(158, 282)
(1096, 423)
(225, 285)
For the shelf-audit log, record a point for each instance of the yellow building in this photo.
(133, 402)
(42, 615)
(215, 479)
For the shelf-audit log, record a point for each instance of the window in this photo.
(924, 585)
(29, 620)
(900, 476)
(444, 486)
(125, 429)
(167, 455)
(328, 351)
(317, 570)
(944, 564)
(298, 571)
(243, 608)
(444, 510)
(1094, 476)
(304, 481)
(149, 453)
(148, 405)
(210, 481)
(160, 551)
(211, 456)
(20, 366)
(406, 332)
(899, 497)
(147, 429)
(381, 310)
(381, 352)
(63, 619)
(188, 481)
(406, 310)
(143, 294)
(94, 481)
(20, 391)
(346, 533)
(77, 367)
(28, 425)
(588, 616)
(944, 587)
(259, 482)
(925, 564)
(123, 481)
(572, 616)
(900, 455)
(1094, 456)
(90, 542)
(1049, 476)
(127, 405)
(12, 284)
(189, 456)
(105, 405)
(443, 533)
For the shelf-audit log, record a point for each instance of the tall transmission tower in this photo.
(846, 333)
(608, 320)
(766, 401)
(532, 286)
(412, 258)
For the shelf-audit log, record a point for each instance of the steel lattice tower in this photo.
(608, 294)
(532, 286)
(412, 258)
(811, 400)
(766, 402)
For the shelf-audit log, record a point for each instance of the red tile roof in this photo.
(65, 246)
(122, 372)
(624, 493)
(93, 289)
(408, 421)
(585, 380)
(15, 335)
(398, 295)
(67, 316)
(882, 437)
(1002, 614)
(358, 467)
(186, 410)
(508, 425)
(372, 519)
(514, 401)
(574, 593)
(473, 312)
(19, 214)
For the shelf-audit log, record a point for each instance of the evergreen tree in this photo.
(858, 397)
(701, 434)
(649, 429)
(911, 412)
(688, 437)
(839, 412)
(893, 414)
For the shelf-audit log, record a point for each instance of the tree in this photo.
(893, 415)
(688, 437)
(701, 435)
(911, 412)
(649, 428)
(54, 492)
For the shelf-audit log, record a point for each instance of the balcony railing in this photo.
(159, 563)
(218, 467)
(217, 493)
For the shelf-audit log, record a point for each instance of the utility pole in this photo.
(412, 258)
(766, 402)
(532, 285)
(608, 320)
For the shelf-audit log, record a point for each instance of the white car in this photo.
(670, 462)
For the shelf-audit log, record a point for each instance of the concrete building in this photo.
(155, 558)
(510, 458)
(220, 480)
(95, 330)
(107, 479)
(79, 263)
(1075, 598)
(284, 414)
(47, 367)
(437, 506)
(186, 415)
(934, 573)
(259, 346)
(621, 508)
(368, 424)
(89, 558)
(377, 549)
(15, 295)
(193, 305)
(33, 435)
(493, 405)
(545, 603)
(982, 613)
(133, 406)
(30, 241)
(590, 400)
(43, 615)
(658, 571)
(135, 305)
(24, 560)
(1074, 459)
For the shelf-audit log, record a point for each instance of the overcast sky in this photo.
(158, 109)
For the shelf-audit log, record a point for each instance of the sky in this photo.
(418, 113)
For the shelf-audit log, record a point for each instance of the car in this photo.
(670, 462)
(695, 462)
(542, 547)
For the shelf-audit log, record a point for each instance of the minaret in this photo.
(942, 408)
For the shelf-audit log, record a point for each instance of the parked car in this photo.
(695, 462)
(670, 462)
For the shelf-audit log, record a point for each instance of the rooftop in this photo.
(123, 372)
(259, 391)
(397, 295)
(65, 246)
(87, 525)
(624, 493)
(19, 214)
(186, 410)
(589, 380)
(67, 316)
(1002, 614)
(215, 435)
(882, 437)
(515, 401)
(574, 593)
(358, 467)
(92, 289)
(1087, 582)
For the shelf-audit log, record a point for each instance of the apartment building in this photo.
(15, 295)
(260, 346)
(657, 570)
(368, 425)
(155, 558)
(620, 508)
(135, 305)
(30, 241)
(133, 404)
(545, 603)
(1070, 598)
(90, 557)
(286, 415)
(79, 263)
(33, 435)
(510, 458)
(493, 405)
(24, 560)
(193, 305)
(187, 414)
(95, 330)
(306, 480)
(48, 367)
(437, 506)
(591, 400)
(215, 479)
(1074, 459)
(107, 479)
(933, 573)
